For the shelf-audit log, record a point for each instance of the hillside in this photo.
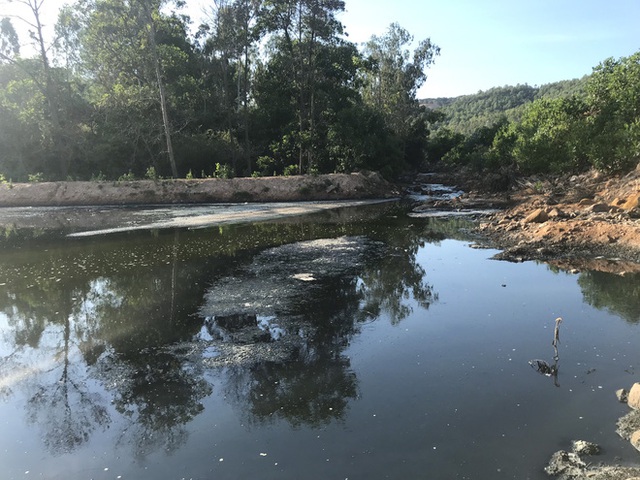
(467, 113)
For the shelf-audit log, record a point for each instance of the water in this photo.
(357, 344)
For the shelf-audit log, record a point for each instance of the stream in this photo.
(348, 343)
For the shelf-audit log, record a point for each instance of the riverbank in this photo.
(579, 222)
(356, 186)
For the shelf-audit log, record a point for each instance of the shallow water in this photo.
(358, 344)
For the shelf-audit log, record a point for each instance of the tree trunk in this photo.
(163, 98)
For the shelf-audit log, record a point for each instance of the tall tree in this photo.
(393, 78)
(128, 50)
(43, 77)
(301, 30)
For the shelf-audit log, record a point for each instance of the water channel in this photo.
(355, 343)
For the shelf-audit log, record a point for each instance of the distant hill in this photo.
(467, 113)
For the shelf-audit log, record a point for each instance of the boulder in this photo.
(635, 440)
(537, 216)
(623, 395)
(582, 447)
(634, 396)
(632, 202)
(602, 208)
(567, 464)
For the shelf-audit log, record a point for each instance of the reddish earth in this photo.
(575, 222)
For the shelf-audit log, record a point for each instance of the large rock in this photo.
(634, 396)
(537, 216)
(632, 202)
(635, 440)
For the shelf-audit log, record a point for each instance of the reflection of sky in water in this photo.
(444, 391)
(268, 324)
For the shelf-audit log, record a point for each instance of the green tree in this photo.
(303, 36)
(391, 82)
(551, 136)
(614, 98)
(49, 116)
(141, 67)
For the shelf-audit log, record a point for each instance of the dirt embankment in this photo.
(588, 221)
(264, 189)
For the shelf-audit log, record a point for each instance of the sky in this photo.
(488, 43)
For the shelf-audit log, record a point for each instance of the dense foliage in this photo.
(563, 127)
(128, 90)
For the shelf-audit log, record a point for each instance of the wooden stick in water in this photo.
(556, 332)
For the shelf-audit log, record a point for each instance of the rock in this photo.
(557, 213)
(582, 447)
(601, 208)
(537, 216)
(628, 424)
(623, 395)
(632, 202)
(634, 397)
(635, 440)
(567, 464)
(585, 202)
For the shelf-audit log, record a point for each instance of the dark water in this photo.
(358, 344)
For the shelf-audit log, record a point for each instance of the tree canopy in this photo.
(129, 88)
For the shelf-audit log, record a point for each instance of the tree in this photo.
(551, 136)
(303, 32)
(133, 53)
(231, 49)
(391, 83)
(43, 77)
(614, 98)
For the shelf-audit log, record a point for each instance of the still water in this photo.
(357, 344)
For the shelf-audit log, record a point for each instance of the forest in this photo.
(563, 127)
(130, 89)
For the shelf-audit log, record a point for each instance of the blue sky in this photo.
(489, 43)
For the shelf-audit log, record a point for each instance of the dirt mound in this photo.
(180, 191)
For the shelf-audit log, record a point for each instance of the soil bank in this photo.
(363, 185)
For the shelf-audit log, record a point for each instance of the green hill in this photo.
(467, 113)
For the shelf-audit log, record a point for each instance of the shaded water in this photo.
(359, 344)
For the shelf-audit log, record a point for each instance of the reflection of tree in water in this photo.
(62, 307)
(158, 394)
(348, 280)
(59, 402)
(313, 386)
(618, 294)
(116, 304)
(66, 409)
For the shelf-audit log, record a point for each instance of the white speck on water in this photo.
(221, 460)
(263, 454)
(106, 469)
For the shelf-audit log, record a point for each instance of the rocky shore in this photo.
(588, 221)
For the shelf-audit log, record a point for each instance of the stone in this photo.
(565, 463)
(632, 202)
(601, 208)
(537, 216)
(634, 397)
(557, 213)
(635, 440)
(582, 447)
(623, 395)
